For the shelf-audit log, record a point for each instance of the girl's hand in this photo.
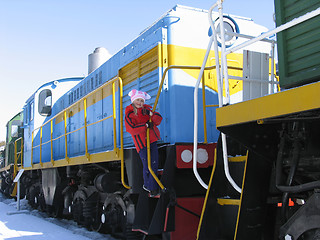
(151, 113)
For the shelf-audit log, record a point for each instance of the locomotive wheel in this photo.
(33, 196)
(98, 224)
(42, 202)
(68, 199)
(54, 211)
(77, 207)
(313, 234)
(114, 214)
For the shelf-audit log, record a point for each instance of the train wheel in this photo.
(54, 211)
(313, 234)
(114, 214)
(67, 204)
(77, 207)
(42, 202)
(33, 196)
(99, 222)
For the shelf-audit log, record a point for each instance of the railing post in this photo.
(149, 161)
(272, 66)
(121, 134)
(51, 132)
(114, 118)
(32, 148)
(85, 127)
(21, 152)
(40, 146)
(65, 136)
(15, 166)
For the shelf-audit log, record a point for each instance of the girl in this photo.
(137, 117)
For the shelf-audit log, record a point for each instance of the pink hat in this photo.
(134, 94)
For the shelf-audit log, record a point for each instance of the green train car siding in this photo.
(298, 46)
(14, 131)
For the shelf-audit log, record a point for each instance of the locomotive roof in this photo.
(52, 82)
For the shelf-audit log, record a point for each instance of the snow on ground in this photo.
(31, 224)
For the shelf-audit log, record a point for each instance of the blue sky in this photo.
(41, 41)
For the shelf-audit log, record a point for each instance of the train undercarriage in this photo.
(94, 197)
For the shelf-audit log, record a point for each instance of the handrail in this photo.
(224, 54)
(224, 70)
(195, 129)
(276, 30)
(16, 156)
(63, 113)
(155, 105)
(121, 135)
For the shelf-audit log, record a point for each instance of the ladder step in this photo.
(228, 201)
(237, 159)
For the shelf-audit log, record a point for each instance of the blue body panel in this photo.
(175, 103)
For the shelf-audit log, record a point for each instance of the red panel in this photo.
(186, 223)
(209, 147)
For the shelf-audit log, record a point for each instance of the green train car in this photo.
(299, 46)
(7, 171)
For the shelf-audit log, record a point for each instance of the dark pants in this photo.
(148, 179)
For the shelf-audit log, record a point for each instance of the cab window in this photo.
(45, 102)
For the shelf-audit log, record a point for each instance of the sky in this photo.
(41, 41)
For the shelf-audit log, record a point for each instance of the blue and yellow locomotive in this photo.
(80, 162)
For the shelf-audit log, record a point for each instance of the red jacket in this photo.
(136, 126)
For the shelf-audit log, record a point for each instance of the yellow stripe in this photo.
(194, 56)
(228, 201)
(287, 102)
(237, 159)
(207, 193)
(94, 158)
(164, 55)
(241, 196)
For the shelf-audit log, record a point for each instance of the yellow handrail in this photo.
(114, 117)
(121, 135)
(41, 146)
(85, 128)
(66, 133)
(16, 156)
(51, 143)
(155, 105)
(32, 135)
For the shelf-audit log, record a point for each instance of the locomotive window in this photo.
(88, 86)
(74, 95)
(31, 110)
(14, 131)
(100, 77)
(45, 102)
(70, 98)
(96, 80)
(26, 115)
(91, 83)
(81, 91)
(78, 93)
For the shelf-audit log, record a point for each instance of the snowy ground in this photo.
(34, 225)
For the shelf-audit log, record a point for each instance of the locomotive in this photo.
(80, 163)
